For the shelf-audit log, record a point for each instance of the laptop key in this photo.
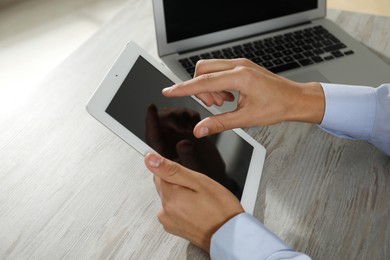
(259, 46)
(319, 30)
(278, 62)
(299, 43)
(194, 59)
(249, 49)
(297, 50)
(267, 64)
(277, 55)
(327, 43)
(308, 54)
(298, 56)
(334, 47)
(256, 60)
(330, 57)
(229, 55)
(269, 50)
(318, 51)
(317, 45)
(290, 45)
(267, 57)
(186, 63)
(349, 52)
(259, 53)
(305, 62)
(249, 55)
(317, 59)
(280, 48)
(205, 55)
(284, 67)
(218, 56)
(307, 47)
(191, 70)
(337, 54)
(239, 51)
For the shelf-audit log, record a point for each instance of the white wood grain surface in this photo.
(71, 189)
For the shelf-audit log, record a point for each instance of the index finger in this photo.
(215, 65)
(212, 82)
(210, 72)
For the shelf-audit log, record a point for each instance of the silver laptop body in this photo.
(186, 30)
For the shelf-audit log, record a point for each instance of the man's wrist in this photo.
(307, 104)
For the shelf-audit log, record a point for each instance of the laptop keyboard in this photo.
(282, 52)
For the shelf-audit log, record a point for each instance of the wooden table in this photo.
(69, 188)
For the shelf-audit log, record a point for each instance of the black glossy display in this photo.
(187, 19)
(166, 125)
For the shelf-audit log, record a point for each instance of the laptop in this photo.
(291, 38)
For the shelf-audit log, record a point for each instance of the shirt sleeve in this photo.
(244, 237)
(358, 112)
(355, 112)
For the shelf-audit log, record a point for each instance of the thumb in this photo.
(218, 123)
(171, 172)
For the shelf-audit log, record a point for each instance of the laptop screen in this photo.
(187, 19)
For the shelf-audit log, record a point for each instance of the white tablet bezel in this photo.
(103, 95)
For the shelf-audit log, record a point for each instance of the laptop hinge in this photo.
(242, 38)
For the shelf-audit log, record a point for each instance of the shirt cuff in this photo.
(244, 237)
(349, 111)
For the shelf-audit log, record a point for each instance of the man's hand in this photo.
(264, 98)
(194, 206)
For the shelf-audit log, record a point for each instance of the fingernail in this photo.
(155, 160)
(165, 90)
(203, 131)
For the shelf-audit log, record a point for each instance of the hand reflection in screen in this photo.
(170, 133)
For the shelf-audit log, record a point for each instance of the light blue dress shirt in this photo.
(354, 112)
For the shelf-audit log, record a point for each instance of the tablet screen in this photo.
(166, 125)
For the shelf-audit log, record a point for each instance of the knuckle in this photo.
(199, 66)
(205, 99)
(169, 208)
(163, 219)
(161, 216)
(205, 77)
(244, 62)
(166, 205)
(242, 69)
(244, 75)
(219, 126)
(201, 63)
(173, 169)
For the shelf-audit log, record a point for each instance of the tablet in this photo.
(130, 103)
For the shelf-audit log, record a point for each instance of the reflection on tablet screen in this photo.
(166, 125)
